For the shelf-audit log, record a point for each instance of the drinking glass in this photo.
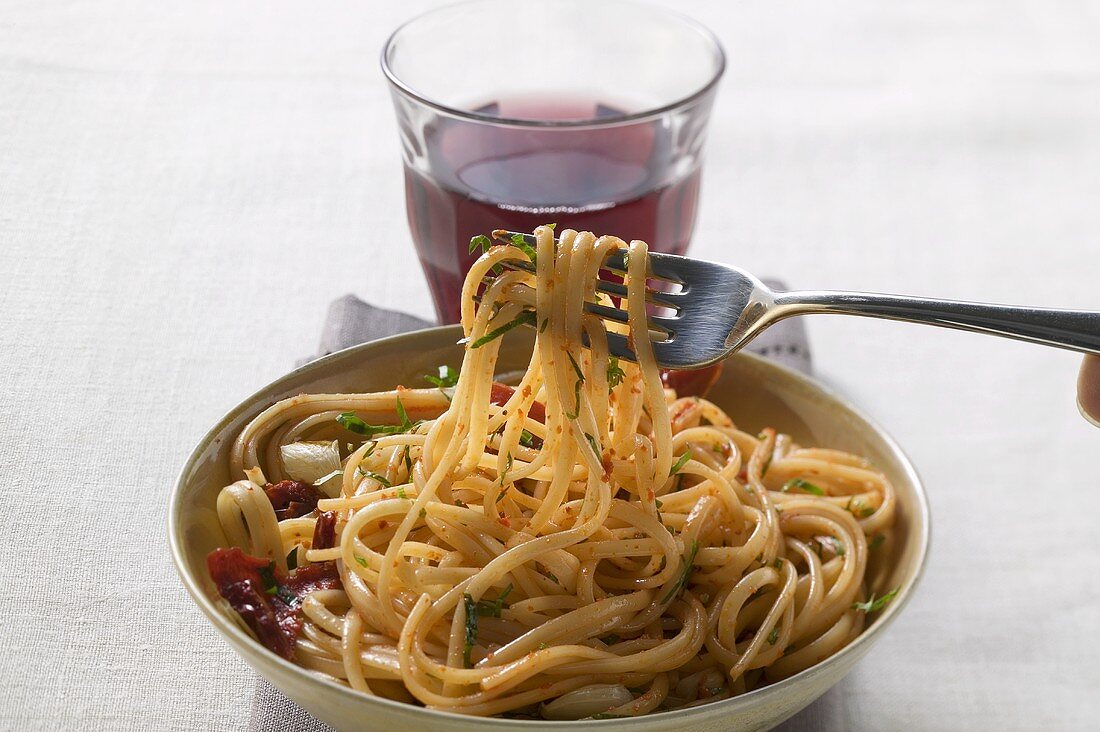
(516, 113)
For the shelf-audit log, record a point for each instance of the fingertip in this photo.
(1088, 389)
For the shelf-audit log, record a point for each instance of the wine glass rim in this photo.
(648, 113)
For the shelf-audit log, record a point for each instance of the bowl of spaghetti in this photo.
(497, 525)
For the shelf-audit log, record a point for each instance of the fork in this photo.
(716, 309)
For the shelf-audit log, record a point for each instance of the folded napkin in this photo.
(351, 321)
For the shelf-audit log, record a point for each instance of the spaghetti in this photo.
(585, 544)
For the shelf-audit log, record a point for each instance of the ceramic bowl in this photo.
(753, 391)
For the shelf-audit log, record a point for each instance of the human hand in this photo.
(1088, 389)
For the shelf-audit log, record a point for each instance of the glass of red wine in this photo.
(515, 113)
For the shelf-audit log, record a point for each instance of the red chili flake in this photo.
(383, 524)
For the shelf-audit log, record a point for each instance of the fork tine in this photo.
(616, 345)
(610, 288)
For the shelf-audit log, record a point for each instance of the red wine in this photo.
(625, 180)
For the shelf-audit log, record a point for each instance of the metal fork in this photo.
(717, 309)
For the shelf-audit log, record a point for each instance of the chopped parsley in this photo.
(482, 608)
(576, 387)
(858, 508)
(401, 492)
(680, 463)
(350, 421)
(874, 605)
(594, 445)
(615, 374)
(471, 629)
(481, 242)
(877, 541)
(521, 243)
(685, 575)
(492, 608)
(361, 561)
(803, 485)
(773, 636)
(527, 317)
(380, 478)
(526, 439)
(447, 377)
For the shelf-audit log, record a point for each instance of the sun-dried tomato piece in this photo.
(324, 531)
(292, 498)
(268, 602)
(501, 393)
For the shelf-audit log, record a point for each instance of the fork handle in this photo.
(1076, 330)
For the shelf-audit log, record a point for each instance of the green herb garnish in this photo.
(527, 317)
(447, 377)
(492, 608)
(526, 439)
(481, 242)
(576, 387)
(401, 492)
(521, 243)
(380, 478)
(872, 605)
(685, 574)
(615, 374)
(773, 636)
(802, 485)
(349, 421)
(594, 445)
(877, 541)
(471, 629)
(680, 463)
(361, 561)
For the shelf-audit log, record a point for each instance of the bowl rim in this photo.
(238, 637)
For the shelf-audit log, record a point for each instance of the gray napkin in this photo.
(351, 321)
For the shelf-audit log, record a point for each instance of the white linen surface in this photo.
(184, 188)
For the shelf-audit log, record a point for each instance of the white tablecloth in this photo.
(184, 187)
